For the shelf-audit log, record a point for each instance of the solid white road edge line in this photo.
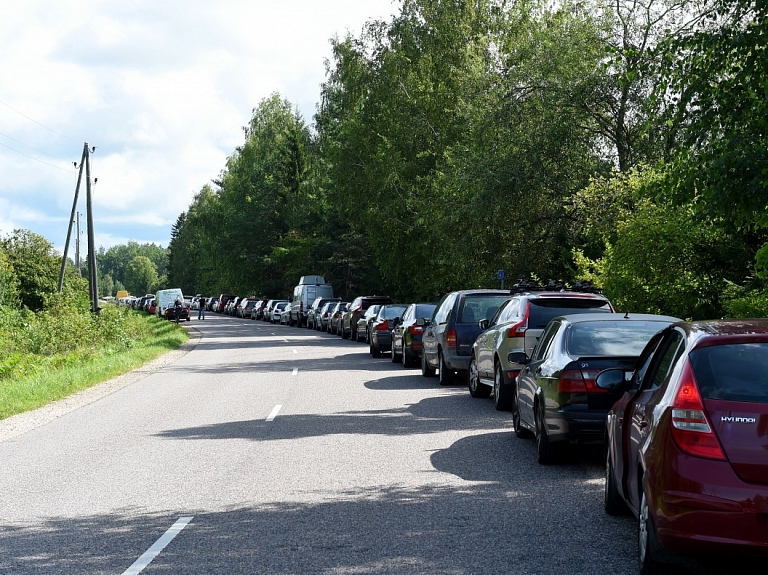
(295, 371)
(274, 413)
(159, 545)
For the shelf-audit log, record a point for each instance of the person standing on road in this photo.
(201, 308)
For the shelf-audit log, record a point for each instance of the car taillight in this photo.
(519, 329)
(571, 381)
(383, 326)
(416, 330)
(512, 375)
(691, 430)
(450, 338)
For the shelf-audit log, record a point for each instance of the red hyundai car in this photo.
(687, 443)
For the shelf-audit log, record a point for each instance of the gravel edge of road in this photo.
(23, 422)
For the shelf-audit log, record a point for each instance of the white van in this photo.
(165, 300)
(309, 289)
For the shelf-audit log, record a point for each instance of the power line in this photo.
(36, 159)
(33, 148)
(36, 122)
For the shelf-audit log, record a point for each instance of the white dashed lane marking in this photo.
(274, 413)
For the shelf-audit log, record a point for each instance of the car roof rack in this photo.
(529, 285)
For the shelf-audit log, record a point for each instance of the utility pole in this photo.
(92, 275)
(77, 247)
(72, 218)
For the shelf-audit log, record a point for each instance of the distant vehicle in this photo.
(166, 299)
(406, 337)
(309, 289)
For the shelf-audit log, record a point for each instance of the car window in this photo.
(543, 310)
(546, 339)
(671, 349)
(475, 307)
(733, 372)
(610, 338)
(422, 310)
(501, 313)
(441, 316)
(391, 311)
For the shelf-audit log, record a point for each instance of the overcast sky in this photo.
(162, 89)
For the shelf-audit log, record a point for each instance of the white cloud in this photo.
(162, 88)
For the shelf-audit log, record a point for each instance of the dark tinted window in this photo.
(391, 311)
(614, 338)
(541, 311)
(475, 307)
(734, 372)
(424, 310)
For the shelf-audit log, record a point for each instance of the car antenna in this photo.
(626, 315)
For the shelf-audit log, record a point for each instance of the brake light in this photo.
(690, 427)
(571, 381)
(416, 330)
(519, 329)
(383, 326)
(450, 338)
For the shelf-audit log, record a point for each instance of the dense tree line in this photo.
(622, 142)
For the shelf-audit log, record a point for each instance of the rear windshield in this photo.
(391, 311)
(475, 307)
(612, 338)
(424, 310)
(734, 372)
(543, 310)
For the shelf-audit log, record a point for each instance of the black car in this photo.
(452, 329)
(406, 337)
(380, 329)
(348, 324)
(557, 399)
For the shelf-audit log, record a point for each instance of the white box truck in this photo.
(309, 288)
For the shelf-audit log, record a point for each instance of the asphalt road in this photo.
(284, 450)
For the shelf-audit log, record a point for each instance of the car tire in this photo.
(407, 357)
(546, 451)
(502, 394)
(394, 355)
(343, 333)
(445, 375)
(613, 503)
(648, 548)
(426, 369)
(375, 351)
(476, 388)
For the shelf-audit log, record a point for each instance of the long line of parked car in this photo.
(681, 407)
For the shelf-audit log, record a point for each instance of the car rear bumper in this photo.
(581, 426)
(723, 515)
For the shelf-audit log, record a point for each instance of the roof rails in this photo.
(529, 285)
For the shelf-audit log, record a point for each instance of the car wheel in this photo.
(407, 357)
(426, 369)
(520, 431)
(375, 351)
(445, 375)
(613, 503)
(647, 544)
(394, 355)
(476, 388)
(502, 394)
(546, 451)
(343, 333)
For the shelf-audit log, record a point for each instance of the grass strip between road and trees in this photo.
(39, 379)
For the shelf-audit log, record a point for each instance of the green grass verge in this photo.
(57, 376)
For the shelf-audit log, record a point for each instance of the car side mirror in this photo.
(483, 323)
(518, 357)
(612, 379)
